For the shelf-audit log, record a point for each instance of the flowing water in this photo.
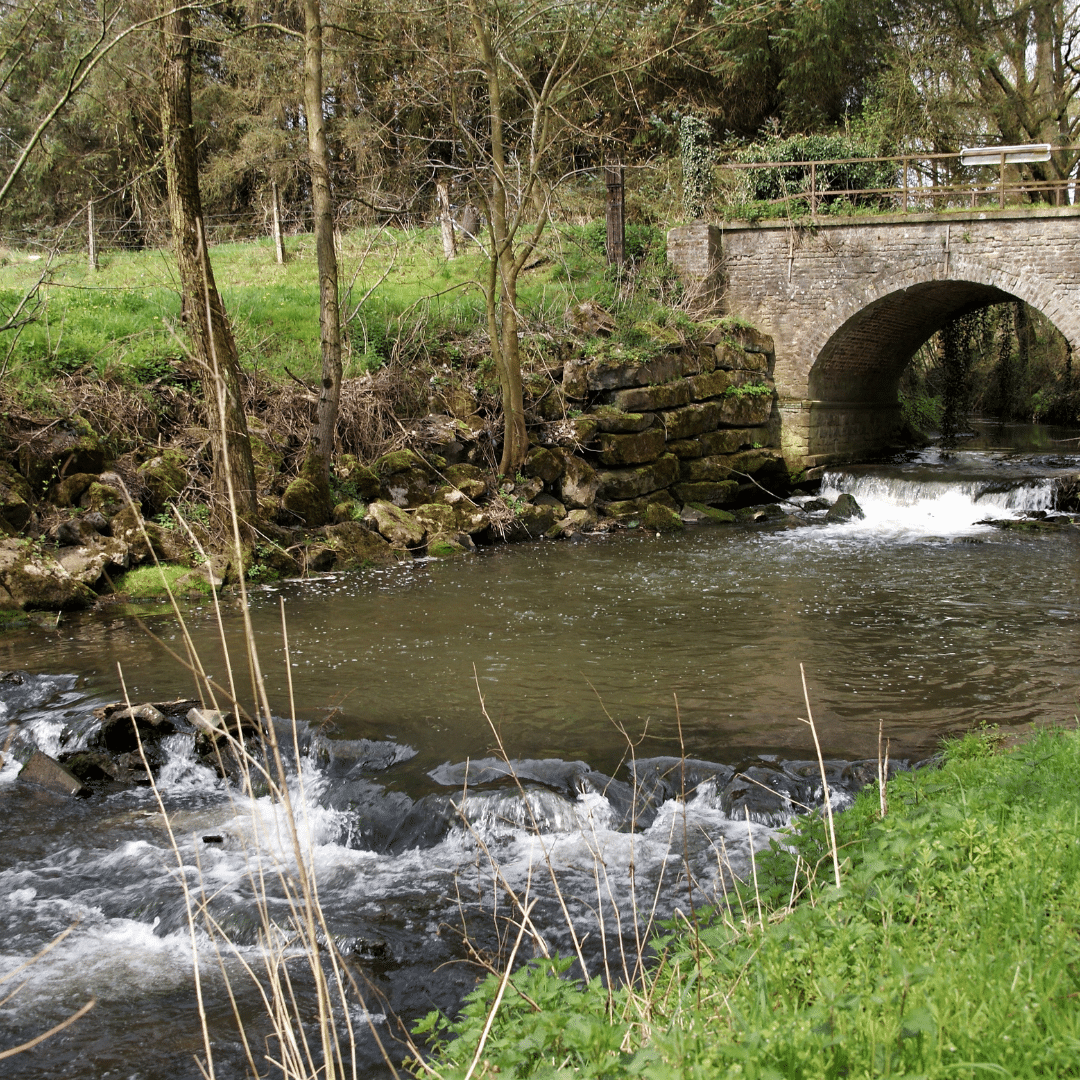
(917, 615)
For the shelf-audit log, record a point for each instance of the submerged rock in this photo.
(48, 773)
(846, 508)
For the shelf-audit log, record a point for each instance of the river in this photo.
(916, 616)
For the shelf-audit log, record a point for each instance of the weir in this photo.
(848, 302)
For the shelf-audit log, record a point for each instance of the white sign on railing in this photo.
(1013, 155)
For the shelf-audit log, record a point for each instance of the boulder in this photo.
(60, 450)
(576, 521)
(686, 448)
(399, 461)
(661, 518)
(534, 521)
(618, 369)
(48, 773)
(164, 477)
(87, 562)
(357, 548)
(15, 504)
(211, 576)
(543, 465)
(394, 524)
(579, 483)
(591, 319)
(123, 727)
(846, 508)
(103, 498)
(575, 380)
(443, 546)
(30, 580)
(720, 381)
(69, 490)
(409, 488)
(436, 518)
(305, 503)
(318, 558)
(464, 491)
(72, 532)
(766, 513)
(631, 449)
(141, 536)
(620, 484)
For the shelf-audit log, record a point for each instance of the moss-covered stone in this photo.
(445, 546)
(714, 493)
(690, 420)
(620, 484)
(635, 508)
(752, 410)
(103, 498)
(31, 580)
(636, 449)
(543, 465)
(305, 503)
(67, 491)
(617, 422)
(394, 524)
(686, 448)
(357, 547)
(660, 518)
(576, 521)
(88, 562)
(141, 536)
(69, 447)
(466, 490)
(164, 478)
(731, 440)
(409, 488)
(708, 515)
(399, 461)
(15, 498)
(642, 399)
(579, 483)
(533, 522)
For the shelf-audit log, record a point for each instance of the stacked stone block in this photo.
(690, 425)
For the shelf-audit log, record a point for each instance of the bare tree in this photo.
(211, 336)
(321, 446)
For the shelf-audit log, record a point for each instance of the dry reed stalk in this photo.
(753, 867)
(824, 782)
(883, 772)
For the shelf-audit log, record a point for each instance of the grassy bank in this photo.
(398, 294)
(951, 950)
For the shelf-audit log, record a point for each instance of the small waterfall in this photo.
(945, 501)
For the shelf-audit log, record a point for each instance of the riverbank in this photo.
(950, 949)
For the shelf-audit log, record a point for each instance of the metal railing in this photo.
(918, 183)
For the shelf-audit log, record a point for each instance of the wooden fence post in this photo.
(91, 237)
(616, 219)
(275, 210)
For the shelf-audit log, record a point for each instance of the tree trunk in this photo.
(446, 219)
(321, 446)
(203, 311)
(501, 293)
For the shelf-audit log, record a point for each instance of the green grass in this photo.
(148, 582)
(124, 320)
(952, 950)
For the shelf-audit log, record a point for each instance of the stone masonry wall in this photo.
(848, 302)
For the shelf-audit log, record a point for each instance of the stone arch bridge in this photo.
(848, 302)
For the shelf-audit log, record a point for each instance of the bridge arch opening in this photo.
(853, 385)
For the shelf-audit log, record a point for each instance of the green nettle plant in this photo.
(697, 163)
